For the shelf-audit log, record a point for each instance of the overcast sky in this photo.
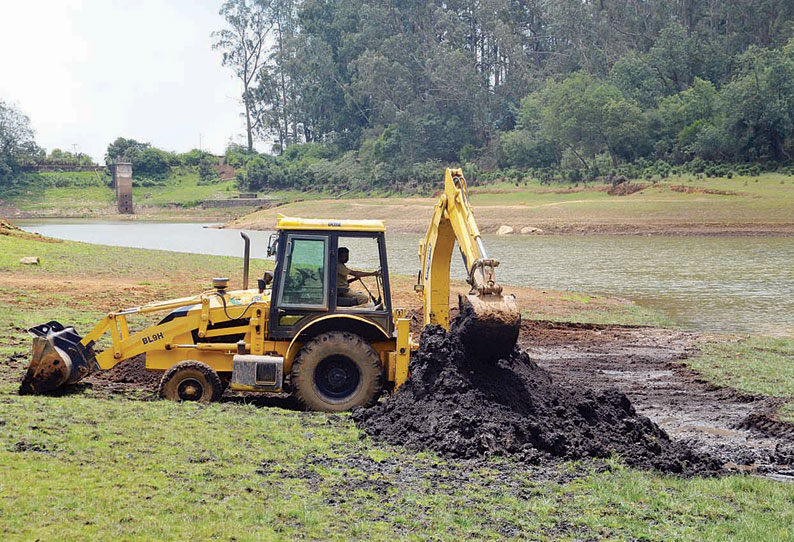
(88, 71)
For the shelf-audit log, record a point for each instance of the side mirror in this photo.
(272, 244)
(264, 281)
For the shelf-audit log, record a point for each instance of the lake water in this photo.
(724, 284)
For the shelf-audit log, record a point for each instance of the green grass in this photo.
(764, 185)
(757, 365)
(183, 189)
(623, 315)
(758, 199)
(78, 468)
(584, 308)
(68, 192)
(155, 266)
(766, 199)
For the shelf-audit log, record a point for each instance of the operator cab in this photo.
(306, 284)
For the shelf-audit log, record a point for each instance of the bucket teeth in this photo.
(58, 358)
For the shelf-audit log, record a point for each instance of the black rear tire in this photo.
(191, 381)
(337, 371)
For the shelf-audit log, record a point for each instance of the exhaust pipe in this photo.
(246, 258)
(59, 358)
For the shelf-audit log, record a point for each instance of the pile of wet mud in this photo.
(460, 406)
(132, 372)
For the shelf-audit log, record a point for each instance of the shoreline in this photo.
(487, 226)
(490, 227)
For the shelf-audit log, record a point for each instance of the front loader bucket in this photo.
(59, 358)
(488, 325)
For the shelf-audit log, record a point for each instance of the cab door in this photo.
(302, 288)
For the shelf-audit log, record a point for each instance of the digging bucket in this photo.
(58, 359)
(488, 324)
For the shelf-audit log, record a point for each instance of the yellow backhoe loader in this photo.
(295, 332)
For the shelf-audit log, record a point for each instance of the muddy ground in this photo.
(646, 364)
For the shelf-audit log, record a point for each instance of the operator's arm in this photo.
(362, 274)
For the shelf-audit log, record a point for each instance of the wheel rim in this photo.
(190, 389)
(337, 377)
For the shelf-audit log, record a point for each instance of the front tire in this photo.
(337, 371)
(191, 381)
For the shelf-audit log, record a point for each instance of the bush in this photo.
(260, 174)
(520, 148)
(194, 158)
(208, 174)
(152, 163)
(238, 156)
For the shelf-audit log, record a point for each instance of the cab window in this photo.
(305, 282)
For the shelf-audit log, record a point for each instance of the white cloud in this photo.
(89, 71)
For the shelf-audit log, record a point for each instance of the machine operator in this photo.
(343, 283)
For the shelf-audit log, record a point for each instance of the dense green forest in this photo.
(382, 93)
(358, 95)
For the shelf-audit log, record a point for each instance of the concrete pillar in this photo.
(122, 179)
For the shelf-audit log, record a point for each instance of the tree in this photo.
(637, 80)
(243, 45)
(261, 173)
(207, 171)
(58, 156)
(152, 163)
(758, 104)
(147, 161)
(125, 149)
(588, 116)
(17, 144)
(528, 145)
(387, 87)
(681, 118)
(672, 58)
(194, 156)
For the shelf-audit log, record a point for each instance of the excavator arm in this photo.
(493, 319)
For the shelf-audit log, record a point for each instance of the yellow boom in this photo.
(495, 317)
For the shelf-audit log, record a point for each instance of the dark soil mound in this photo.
(131, 371)
(463, 407)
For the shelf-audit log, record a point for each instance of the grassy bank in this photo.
(756, 365)
(82, 467)
(87, 194)
(679, 205)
